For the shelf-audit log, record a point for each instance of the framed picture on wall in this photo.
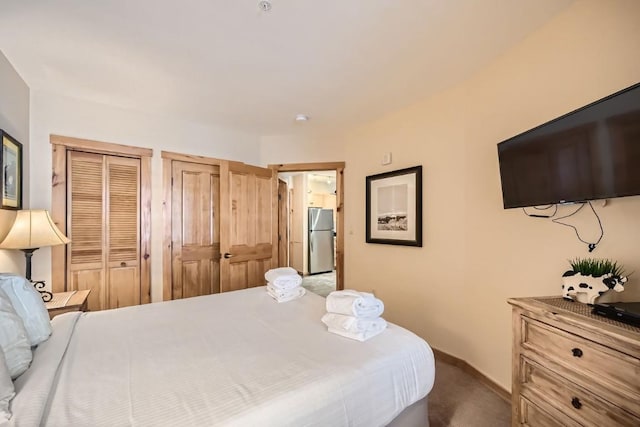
(394, 207)
(11, 177)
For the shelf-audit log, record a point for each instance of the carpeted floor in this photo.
(322, 284)
(460, 400)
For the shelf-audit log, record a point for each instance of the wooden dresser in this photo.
(571, 367)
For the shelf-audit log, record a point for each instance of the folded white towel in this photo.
(286, 282)
(353, 324)
(283, 293)
(284, 296)
(271, 275)
(353, 327)
(354, 303)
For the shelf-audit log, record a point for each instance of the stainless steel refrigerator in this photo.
(321, 236)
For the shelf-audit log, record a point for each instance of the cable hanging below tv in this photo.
(588, 154)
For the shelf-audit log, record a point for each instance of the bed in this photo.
(232, 359)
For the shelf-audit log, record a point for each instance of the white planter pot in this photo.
(587, 289)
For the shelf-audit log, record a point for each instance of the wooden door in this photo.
(122, 231)
(103, 210)
(85, 213)
(249, 225)
(283, 224)
(195, 204)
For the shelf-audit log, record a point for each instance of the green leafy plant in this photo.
(596, 267)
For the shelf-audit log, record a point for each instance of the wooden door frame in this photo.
(339, 168)
(282, 200)
(60, 145)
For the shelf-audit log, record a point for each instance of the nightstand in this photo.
(67, 301)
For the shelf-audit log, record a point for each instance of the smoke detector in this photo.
(301, 117)
(265, 5)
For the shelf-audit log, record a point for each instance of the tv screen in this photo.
(591, 153)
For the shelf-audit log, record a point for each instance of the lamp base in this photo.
(46, 295)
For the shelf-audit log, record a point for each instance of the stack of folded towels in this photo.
(283, 284)
(354, 314)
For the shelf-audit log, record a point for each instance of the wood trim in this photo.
(516, 326)
(339, 168)
(340, 228)
(303, 167)
(145, 230)
(283, 222)
(467, 368)
(274, 220)
(100, 147)
(59, 215)
(166, 224)
(191, 158)
(225, 224)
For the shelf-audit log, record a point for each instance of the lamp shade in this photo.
(33, 229)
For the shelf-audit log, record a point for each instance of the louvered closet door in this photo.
(85, 212)
(123, 231)
(103, 199)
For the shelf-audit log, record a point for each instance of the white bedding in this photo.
(232, 359)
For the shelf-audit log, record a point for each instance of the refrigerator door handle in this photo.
(310, 241)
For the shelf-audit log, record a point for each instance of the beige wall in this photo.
(453, 291)
(14, 119)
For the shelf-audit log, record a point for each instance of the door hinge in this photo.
(172, 181)
(279, 196)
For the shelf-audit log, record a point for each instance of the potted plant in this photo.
(590, 278)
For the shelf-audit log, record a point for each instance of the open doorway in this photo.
(311, 238)
(308, 209)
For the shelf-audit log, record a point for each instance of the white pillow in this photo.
(27, 302)
(13, 338)
(6, 390)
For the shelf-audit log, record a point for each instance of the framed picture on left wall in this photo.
(11, 177)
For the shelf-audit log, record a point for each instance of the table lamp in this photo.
(33, 229)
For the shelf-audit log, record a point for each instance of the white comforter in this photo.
(234, 359)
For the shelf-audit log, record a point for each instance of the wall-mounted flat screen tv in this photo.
(591, 153)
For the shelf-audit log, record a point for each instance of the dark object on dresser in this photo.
(626, 312)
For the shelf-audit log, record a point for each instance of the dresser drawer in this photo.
(587, 362)
(539, 384)
(532, 415)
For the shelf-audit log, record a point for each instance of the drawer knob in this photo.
(575, 402)
(576, 352)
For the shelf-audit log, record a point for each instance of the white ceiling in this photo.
(225, 62)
